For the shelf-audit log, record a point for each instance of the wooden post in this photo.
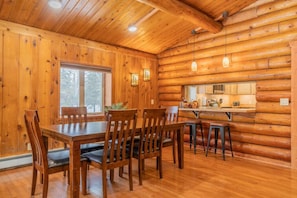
(293, 45)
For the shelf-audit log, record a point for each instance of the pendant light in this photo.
(226, 61)
(194, 63)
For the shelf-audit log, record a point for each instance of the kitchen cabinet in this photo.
(245, 88)
(231, 89)
(209, 89)
(253, 88)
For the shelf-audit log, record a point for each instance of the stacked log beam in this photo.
(258, 48)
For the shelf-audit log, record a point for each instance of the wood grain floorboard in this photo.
(202, 177)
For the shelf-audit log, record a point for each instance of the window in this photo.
(85, 86)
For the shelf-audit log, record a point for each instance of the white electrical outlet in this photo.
(29, 147)
(152, 101)
(284, 101)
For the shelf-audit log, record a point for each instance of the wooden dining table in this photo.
(76, 134)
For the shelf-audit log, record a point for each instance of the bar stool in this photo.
(193, 124)
(219, 127)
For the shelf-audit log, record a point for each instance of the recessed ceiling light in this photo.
(132, 28)
(55, 4)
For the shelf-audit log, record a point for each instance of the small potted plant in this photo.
(119, 105)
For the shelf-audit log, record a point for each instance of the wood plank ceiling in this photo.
(161, 24)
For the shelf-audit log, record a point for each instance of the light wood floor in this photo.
(202, 177)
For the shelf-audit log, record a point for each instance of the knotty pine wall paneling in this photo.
(29, 76)
(258, 40)
(1, 82)
(11, 87)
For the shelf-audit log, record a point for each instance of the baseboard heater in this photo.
(15, 161)
(18, 161)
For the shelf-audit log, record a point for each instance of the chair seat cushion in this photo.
(84, 148)
(136, 150)
(191, 122)
(97, 156)
(220, 124)
(57, 158)
(167, 141)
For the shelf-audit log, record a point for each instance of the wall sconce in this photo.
(134, 79)
(146, 74)
(225, 61)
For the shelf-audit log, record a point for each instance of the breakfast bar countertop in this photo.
(227, 110)
(222, 109)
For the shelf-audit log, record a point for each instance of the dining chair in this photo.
(43, 161)
(170, 136)
(79, 115)
(118, 146)
(149, 144)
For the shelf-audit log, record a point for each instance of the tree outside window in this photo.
(81, 86)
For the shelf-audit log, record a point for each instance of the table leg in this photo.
(74, 169)
(180, 147)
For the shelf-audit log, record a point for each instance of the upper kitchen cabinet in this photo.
(246, 88)
(230, 88)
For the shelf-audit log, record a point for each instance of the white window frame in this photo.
(107, 86)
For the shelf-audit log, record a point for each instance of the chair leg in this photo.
(223, 141)
(140, 171)
(174, 148)
(216, 139)
(104, 184)
(142, 165)
(191, 134)
(111, 175)
(194, 134)
(45, 186)
(208, 140)
(121, 171)
(160, 167)
(41, 178)
(68, 177)
(202, 136)
(65, 172)
(34, 178)
(230, 141)
(130, 175)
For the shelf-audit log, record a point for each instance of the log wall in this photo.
(29, 78)
(258, 48)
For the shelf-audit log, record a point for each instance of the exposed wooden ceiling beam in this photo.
(186, 12)
(144, 18)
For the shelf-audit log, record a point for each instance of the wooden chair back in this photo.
(78, 115)
(149, 144)
(43, 161)
(152, 132)
(74, 114)
(169, 138)
(39, 152)
(172, 113)
(119, 137)
(118, 146)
